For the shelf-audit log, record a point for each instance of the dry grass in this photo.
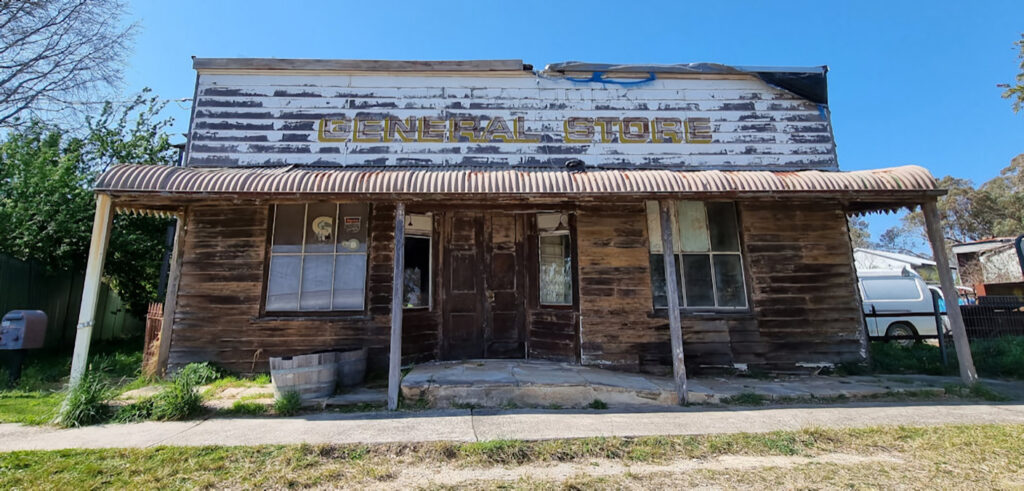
(975, 456)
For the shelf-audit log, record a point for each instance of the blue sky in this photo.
(909, 82)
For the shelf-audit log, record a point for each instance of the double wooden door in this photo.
(483, 282)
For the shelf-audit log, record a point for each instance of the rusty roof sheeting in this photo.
(143, 179)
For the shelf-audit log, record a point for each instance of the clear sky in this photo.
(909, 82)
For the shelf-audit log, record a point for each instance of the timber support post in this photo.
(91, 288)
(397, 292)
(171, 298)
(956, 320)
(672, 292)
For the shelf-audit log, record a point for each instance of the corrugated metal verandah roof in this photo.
(167, 180)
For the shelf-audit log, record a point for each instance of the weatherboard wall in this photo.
(512, 119)
(797, 259)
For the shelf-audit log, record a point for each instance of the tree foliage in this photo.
(1015, 90)
(47, 204)
(56, 55)
(860, 236)
(969, 213)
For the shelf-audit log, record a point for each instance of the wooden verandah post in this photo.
(91, 288)
(956, 321)
(672, 292)
(397, 292)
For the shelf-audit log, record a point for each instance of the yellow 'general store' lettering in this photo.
(427, 129)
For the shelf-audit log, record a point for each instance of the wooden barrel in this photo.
(311, 376)
(351, 367)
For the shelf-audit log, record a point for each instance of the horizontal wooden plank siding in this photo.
(804, 285)
(274, 119)
(218, 312)
(804, 304)
(797, 257)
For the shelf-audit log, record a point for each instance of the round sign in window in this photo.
(323, 227)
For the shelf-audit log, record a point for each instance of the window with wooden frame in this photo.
(708, 259)
(317, 257)
(417, 277)
(555, 259)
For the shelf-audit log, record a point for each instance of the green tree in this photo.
(860, 236)
(1015, 91)
(47, 204)
(969, 213)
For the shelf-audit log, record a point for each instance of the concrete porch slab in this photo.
(545, 384)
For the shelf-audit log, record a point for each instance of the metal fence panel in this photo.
(29, 286)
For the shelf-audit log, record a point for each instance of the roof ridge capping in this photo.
(359, 65)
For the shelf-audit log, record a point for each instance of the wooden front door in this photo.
(483, 286)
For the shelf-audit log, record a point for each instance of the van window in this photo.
(891, 289)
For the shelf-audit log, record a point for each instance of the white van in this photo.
(898, 305)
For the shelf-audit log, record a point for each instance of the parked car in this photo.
(898, 305)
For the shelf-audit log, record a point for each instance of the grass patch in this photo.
(976, 391)
(27, 407)
(997, 358)
(37, 397)
(598, 404)
(288, 404)
(745, 399)
(962, 456)
(917, 358)
(1002, 357)
(86, 403)
(246, 408)
(196, 374)
(420, 404)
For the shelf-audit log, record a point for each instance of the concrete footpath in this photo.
(466, 425)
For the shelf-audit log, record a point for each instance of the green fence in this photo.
(29, 286)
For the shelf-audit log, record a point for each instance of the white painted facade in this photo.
(274, 118)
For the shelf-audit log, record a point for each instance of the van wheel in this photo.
(901, 330)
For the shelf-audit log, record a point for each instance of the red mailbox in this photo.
(23, 329)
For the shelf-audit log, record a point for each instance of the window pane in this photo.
(349, 279)
(729, 281)
(417, 272)
(658, 281)
(724, 233)
(288, 221)
(283, 283)
(555, 270)
(352, 223)
(320, 227)
(891, 288)
(316, 282)
(697, 280)
(693, 226)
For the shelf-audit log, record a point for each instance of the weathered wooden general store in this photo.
(484, 209)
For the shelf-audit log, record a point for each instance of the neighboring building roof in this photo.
(142, 179)
(982, 245)
(895, 256)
